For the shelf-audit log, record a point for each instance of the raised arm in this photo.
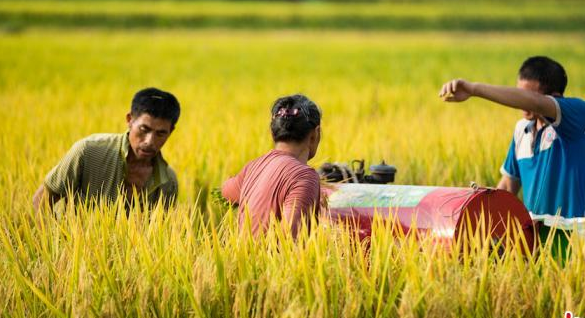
(459, 90)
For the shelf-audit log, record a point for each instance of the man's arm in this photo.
(460, 90)
(66, 175)
(170, 191)
(509, 184)
(231, 188)
(43, 194)
(302, 199)
(510, 170)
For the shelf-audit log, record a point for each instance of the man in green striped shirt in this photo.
(102, 166)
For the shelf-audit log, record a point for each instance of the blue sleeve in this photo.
(510, 167)
(570, 121)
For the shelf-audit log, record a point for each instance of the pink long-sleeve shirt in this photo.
(276, 183)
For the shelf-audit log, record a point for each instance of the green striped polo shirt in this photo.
(96, 167)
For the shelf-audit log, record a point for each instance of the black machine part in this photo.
(335, 172)
(382, 173)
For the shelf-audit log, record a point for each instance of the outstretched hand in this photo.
(457, 90)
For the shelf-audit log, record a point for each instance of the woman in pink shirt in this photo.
(280, 183)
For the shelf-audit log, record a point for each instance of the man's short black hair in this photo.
(547, 72)
(156, 103)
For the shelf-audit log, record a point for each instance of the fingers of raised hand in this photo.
(453, 86)
(448, 90)
(444, 90)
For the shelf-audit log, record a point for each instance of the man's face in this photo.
(147, 135)
(530, 85)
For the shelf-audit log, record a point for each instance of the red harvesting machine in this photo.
(442, 212)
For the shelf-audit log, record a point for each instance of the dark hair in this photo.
(293, 118)
(548, 73)
(157, 103)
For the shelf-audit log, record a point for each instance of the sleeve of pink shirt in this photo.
(301, 200)
(231, 188)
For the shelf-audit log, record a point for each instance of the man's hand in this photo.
(41, 195)
(38, 198)
(457, 90)
(509, 184)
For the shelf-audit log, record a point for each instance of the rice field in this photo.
(378, 92)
